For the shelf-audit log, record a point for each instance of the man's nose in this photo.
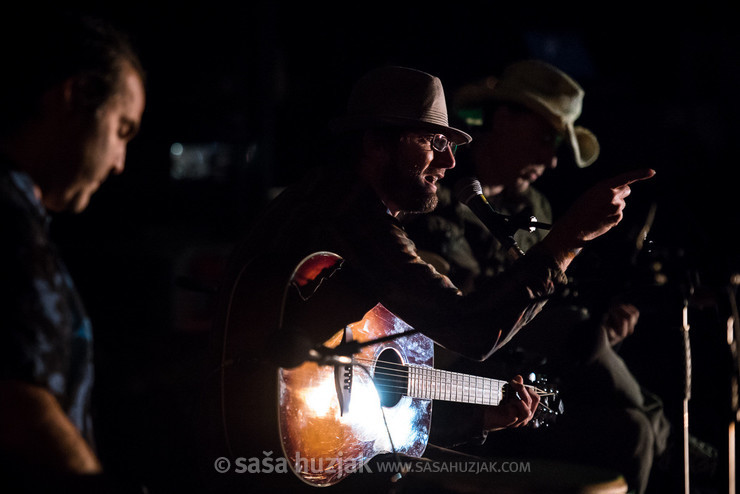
(445, 159)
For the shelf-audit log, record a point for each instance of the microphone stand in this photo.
(514, 223)
(687, 390)
(530, 223)
(685, 290)
(469, 192)
(733, 334)
(351, 347)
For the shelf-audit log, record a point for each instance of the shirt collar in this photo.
(25, 184)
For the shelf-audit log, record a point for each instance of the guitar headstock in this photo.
(551, 404)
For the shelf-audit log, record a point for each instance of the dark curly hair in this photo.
(40, 50)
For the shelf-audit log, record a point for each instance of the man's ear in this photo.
(82, 92)
(69, 91)
(374, 145)
(374, 156)
(369, 141)
(59, 99)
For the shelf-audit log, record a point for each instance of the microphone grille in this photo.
(467, 188)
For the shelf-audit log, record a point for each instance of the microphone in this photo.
(469, 192)
(289, 349)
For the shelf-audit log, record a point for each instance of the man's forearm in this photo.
(35, 431)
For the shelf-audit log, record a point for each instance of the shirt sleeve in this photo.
(473, 325)
(457, 424)
(29, 304)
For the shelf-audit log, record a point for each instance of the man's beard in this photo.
(403, 186)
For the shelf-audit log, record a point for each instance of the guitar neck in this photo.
(436, 384)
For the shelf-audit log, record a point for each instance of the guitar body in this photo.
(325, 440)
(332, 419)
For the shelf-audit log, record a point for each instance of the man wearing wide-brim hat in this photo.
(540, 87)
(532, 108)
(520, 122)
(399, 146)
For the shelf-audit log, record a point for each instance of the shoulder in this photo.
(18, 217)
(539, 203)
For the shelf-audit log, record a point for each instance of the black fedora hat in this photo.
(398, 97)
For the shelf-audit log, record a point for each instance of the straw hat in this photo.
(398, 97)
(543, 89)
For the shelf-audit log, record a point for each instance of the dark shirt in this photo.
(455, 239)
(338, 212)
(469, 250)
(45, 332)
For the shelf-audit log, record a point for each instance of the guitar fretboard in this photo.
(435, 384)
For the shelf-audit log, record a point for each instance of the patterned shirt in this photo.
(45, 333)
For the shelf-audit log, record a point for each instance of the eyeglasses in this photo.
(440, 143)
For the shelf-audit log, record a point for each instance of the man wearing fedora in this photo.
(519, 121)
(394, 147)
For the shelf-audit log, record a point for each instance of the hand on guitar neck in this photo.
(515, 410)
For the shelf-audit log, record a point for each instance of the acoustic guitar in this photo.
(333, 419)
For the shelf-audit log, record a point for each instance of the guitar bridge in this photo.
(343, 378)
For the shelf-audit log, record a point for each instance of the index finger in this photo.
(631, 177)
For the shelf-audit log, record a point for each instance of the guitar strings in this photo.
(387, 429)
(437, 375)
(389, 385)
(387, 374)
(387, 380)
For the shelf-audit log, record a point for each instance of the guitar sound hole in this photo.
(390, 377)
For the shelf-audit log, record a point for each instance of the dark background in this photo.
(248, 89)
